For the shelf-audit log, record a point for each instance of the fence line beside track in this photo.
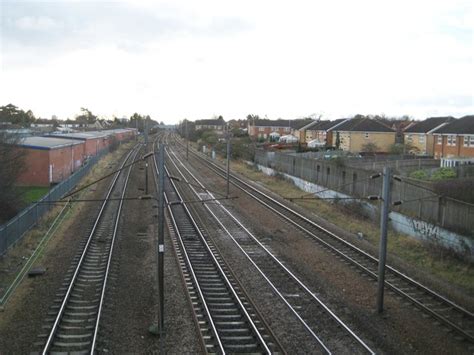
(13, 230)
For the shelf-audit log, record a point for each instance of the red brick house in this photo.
(262, 128)
(214, 124)
(455, 141)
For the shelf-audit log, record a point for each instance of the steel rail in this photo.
(109, 259)
(218, 266)
(78, 267)
(397, 273)
(237, 298)
(221, 271)
(279, 263)
(201, 295)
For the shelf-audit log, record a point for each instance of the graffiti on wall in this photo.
(425, 229)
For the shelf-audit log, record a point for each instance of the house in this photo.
(320, 131)
(419, 135)
(214, 124)
(298, 128)
(49, 160)
(454, 142)
(354, 134)
(262, 128)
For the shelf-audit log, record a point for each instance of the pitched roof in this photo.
(463, 125)
(211, 122)
(323, 125)
(300, 123)
(272, 123)
(363, 124)
(428, 124)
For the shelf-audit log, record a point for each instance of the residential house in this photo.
(354, 134)
(420, 134)
(214, 124)
(262, 128)
(298, 128)
(454, 142)
(321, 131)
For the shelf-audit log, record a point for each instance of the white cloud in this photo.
(41, 23)
(175, 59)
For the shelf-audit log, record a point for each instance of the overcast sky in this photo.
(195, 59)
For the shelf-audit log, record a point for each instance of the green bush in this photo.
(419, 174)
(443, 174)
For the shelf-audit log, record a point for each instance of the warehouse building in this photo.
(94, 141)
(122, 134)
(49, 160)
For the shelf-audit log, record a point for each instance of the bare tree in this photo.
(11, 166)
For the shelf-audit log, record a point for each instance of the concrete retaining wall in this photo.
(401, 223)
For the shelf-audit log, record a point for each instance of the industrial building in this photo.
(53, 158)
(122, 134)
(94, 141)
(49, 160)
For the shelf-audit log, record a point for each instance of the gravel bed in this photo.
(400, 329)
(132, 300)
(24, 315)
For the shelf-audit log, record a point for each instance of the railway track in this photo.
(455, 318)
(329, 332)
(227, 320)
(79, 302)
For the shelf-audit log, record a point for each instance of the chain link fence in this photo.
(13, 230)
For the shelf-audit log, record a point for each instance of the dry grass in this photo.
(432, 260)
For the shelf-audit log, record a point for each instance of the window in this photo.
(421, 139)
(469, 141)
(439, 140)
(261, 129)
(409, 138)
(366, 135)
(451, 140)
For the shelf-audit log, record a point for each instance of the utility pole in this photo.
(383, 236)
(228, 159)
(146, 161)
(161, 237)
(187, 139)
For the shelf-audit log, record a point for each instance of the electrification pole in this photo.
(161, 237)
(146, 161)
(228, 160)
(383, 236)
(187, 139)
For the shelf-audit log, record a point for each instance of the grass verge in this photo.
(32, 193)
